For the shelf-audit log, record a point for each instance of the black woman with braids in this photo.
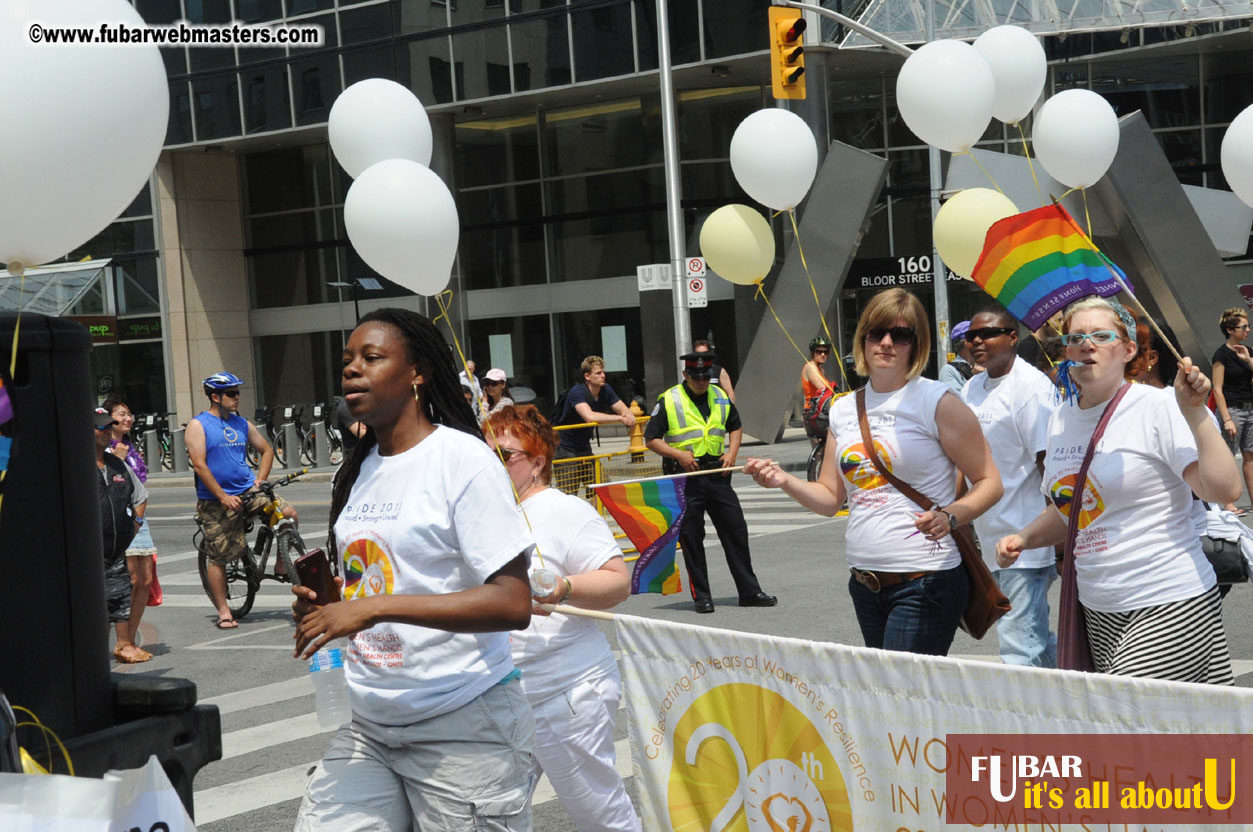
(434, 553)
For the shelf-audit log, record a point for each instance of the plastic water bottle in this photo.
(326, 668)
(543, 582)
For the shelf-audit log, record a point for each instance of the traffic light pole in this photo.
(940, 275)
(848, 22)
(674, 186)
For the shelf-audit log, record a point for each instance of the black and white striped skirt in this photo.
(1182, 641)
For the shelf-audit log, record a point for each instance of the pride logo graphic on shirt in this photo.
(367, 570)
(857, 468)
(1063, 494)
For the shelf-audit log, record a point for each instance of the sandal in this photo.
(136, 657)
(227, 624)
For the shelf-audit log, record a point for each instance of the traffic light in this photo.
(787, 52)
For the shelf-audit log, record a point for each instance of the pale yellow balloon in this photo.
(737, 243)
(962, 224)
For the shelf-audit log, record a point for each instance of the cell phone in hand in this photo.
(314, 571)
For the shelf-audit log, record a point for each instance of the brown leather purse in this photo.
(987, 603)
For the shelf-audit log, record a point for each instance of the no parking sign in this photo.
(697, 296)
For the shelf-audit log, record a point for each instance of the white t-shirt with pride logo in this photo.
(558, 651)
(438, 518)
(1137, 546)
(880, 533)
(1014, 412)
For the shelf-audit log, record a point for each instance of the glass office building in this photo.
(547, 121)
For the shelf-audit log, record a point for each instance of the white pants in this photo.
(574, 747)
(470, 769)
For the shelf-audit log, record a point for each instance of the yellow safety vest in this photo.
(687, 430)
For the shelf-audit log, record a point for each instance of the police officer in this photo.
(695, 427)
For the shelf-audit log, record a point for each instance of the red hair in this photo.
(525, 423)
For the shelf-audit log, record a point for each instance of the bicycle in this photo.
(320, 419)
(265, 422)
(813, 468)
(245, 573)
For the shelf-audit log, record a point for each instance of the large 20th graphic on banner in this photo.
(746, 733)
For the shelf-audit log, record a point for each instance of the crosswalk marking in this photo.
(231, 799)
(248, 740)
(242, 700)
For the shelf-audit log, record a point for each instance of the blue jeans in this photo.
(918, 616)
(1024, 633)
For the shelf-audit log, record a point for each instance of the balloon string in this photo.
(440, 300)
(982, 168)
(1030, 164)
(1087, 216)
(796, 232)
(1063, 196)
(35, 722)
(761, 293)
(17, 326)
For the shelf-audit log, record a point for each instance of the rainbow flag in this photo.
(1039, 262)
(650, 513)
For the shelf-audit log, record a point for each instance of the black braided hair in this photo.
(441, 395)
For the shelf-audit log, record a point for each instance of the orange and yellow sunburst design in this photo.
(367, 570)
(1063, 494)
(857, 468)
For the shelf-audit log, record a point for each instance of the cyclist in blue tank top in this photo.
(217, 442)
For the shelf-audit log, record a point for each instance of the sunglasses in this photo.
(699, 375)
(234, 394)
(901, 335)
(1101, 336)
(984, 333)
(509, 453)
(822, 352)
(103, 428)
(487, 382)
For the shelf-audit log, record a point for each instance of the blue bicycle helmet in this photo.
(222, 381)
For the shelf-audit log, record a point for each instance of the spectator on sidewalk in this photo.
(123, 500)
(142, 551)
(495, 393)
(592, 400)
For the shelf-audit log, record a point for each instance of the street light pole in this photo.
(674, 188)
(340, 285)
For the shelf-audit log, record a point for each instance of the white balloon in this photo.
(374, 120)
(1076, 137)
(1237, 155)
(83, 128)
(402, 220)
(945, 92)
(774, 157)
(1019, 69)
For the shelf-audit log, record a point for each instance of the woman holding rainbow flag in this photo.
(908, 585)
(1139, 597)
(569, 674)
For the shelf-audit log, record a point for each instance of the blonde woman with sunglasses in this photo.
(907, 582)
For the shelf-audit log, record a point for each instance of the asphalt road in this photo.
(270, 734)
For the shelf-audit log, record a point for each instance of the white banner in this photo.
(121, 801)
(745, 732)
